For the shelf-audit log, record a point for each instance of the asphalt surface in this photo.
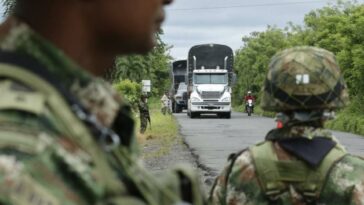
(212, 139)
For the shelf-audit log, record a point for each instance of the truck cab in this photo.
(209, 80)
(211, 93)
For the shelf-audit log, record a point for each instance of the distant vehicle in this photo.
(179, 86)
(249, 107)
(209, 78)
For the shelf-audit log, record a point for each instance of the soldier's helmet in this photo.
(304, 78)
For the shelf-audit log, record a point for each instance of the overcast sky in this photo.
(191, 22)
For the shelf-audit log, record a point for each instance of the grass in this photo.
(347, 122)
(163, 131)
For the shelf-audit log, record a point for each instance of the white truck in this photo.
(209, 79)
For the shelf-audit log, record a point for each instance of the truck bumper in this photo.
(211, 107)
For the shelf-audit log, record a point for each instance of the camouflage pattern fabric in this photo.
(239, 184)
(304, 78)
(42, 162)
(144, 115)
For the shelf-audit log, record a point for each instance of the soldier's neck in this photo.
(66, 28)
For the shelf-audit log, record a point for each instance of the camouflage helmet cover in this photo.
(304, 78)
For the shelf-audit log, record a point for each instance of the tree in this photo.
(253, 58)
(154, 66)
(338, 28)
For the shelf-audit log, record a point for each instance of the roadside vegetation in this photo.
(338, 28)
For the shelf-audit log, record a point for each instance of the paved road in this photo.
(213, 139)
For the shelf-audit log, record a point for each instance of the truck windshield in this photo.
(210, 78)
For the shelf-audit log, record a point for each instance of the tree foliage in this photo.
(131, 91)
(338, 28)
(155, 67)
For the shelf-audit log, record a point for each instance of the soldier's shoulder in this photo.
(345, 181)
(36, 163)
(350, 163)
(23, 109)
(241, 166)
(18, 96)
(37, 171)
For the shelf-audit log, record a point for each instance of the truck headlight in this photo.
(195, 99)
(227, 99)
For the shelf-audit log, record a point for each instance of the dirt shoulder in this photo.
(178, 153)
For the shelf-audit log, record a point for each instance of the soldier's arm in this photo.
(218, 191)
(345, 182)
(235, 182)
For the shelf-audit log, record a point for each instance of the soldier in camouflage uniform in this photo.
(301, 163)
(66, 137)
(144, 113)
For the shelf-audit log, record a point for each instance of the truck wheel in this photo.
(194, 114)
(249, 111)
(228, 115)
(173, 107)
(178, 109)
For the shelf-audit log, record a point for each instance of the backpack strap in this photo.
(275, 175)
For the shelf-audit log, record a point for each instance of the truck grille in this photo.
(210, 95)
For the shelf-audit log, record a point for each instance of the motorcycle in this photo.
(250, 107)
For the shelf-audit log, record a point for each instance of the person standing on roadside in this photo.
(300, 163)
(144, 113)
(66, 137)
(165, 101)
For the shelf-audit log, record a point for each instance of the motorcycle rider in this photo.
(248, 97)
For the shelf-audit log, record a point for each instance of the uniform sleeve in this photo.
(238, 184)
(345, 183)
(19, 187)
(218, 191)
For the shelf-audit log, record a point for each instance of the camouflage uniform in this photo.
(281, 175)
(144, 115)
(48, 153)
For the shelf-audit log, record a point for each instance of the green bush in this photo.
(350, 119)
(130, 90)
